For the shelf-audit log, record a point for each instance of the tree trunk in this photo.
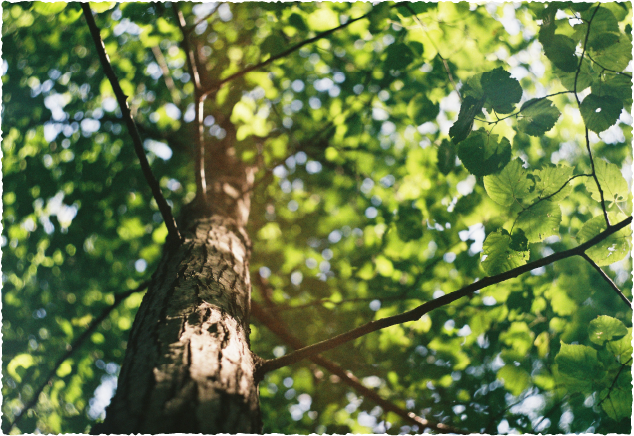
(188, 367)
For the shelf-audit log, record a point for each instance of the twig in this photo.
(444, 61)
(623, 365)
(73, 347)
(164, 208)
(274, 324)
(415, 314)
(607, 69)
(201, 180)
(524, 209)
(282, 54)
(608, 280)
(205, 18)
(594, 174)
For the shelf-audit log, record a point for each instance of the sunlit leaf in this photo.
(539, 221)
(501, 252)
(613, 248)
(610, 179)
(509, 185)
(604, 328)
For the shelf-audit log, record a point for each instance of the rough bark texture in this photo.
(188, 366)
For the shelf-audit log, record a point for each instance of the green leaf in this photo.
(446, 156)
(498, 255)
(613, 248)
(551, 182)
(611, 180)
(49, 8)
(100, 7)
(622, 348)
(616, 85)
(617, 403)
(585, 78)
(421, 109)
(578, 364)
(482, 154)
(501, 90)
(464, 124)
(509, 185)
(540, 221)
(272, 44)
(516, 379)
(615, 57)
(399, 56)
(409, 225)
(297, 22)
(604, 30)
(604, 328)
(599, 113)
(560, 51)
(538, 116)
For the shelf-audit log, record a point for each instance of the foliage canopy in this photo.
(400, 158)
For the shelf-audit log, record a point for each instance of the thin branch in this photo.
(523, 108)
(164, 208)
(276, 326)
(415, 314)
(283, 54)
(205, 18)
(594, 174)
(169, 82)
(524, 209)
(201, 180)
(73, 347)
(444, 61)
(608, 280)
(607, 69)
(623, 365)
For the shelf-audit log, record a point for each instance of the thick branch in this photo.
(608, 280)
(164, 208)
(274, 324)
(419, 311)
(72, 348)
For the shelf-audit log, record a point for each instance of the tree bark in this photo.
(188, 367)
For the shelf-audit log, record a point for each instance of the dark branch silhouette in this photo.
(594, 173)
(607, 279)
(415, 314)
(73, 347)
(283, 54)
(164, 208)
(273, 323)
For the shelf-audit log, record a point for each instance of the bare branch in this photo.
(164, 208)
(72, 348)
(274, 324)
(444, 61)
(608, 280)
(201, 180)
(205, 18)
(282, 54)
(594, 174)
(415, 314)
(169, 82)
